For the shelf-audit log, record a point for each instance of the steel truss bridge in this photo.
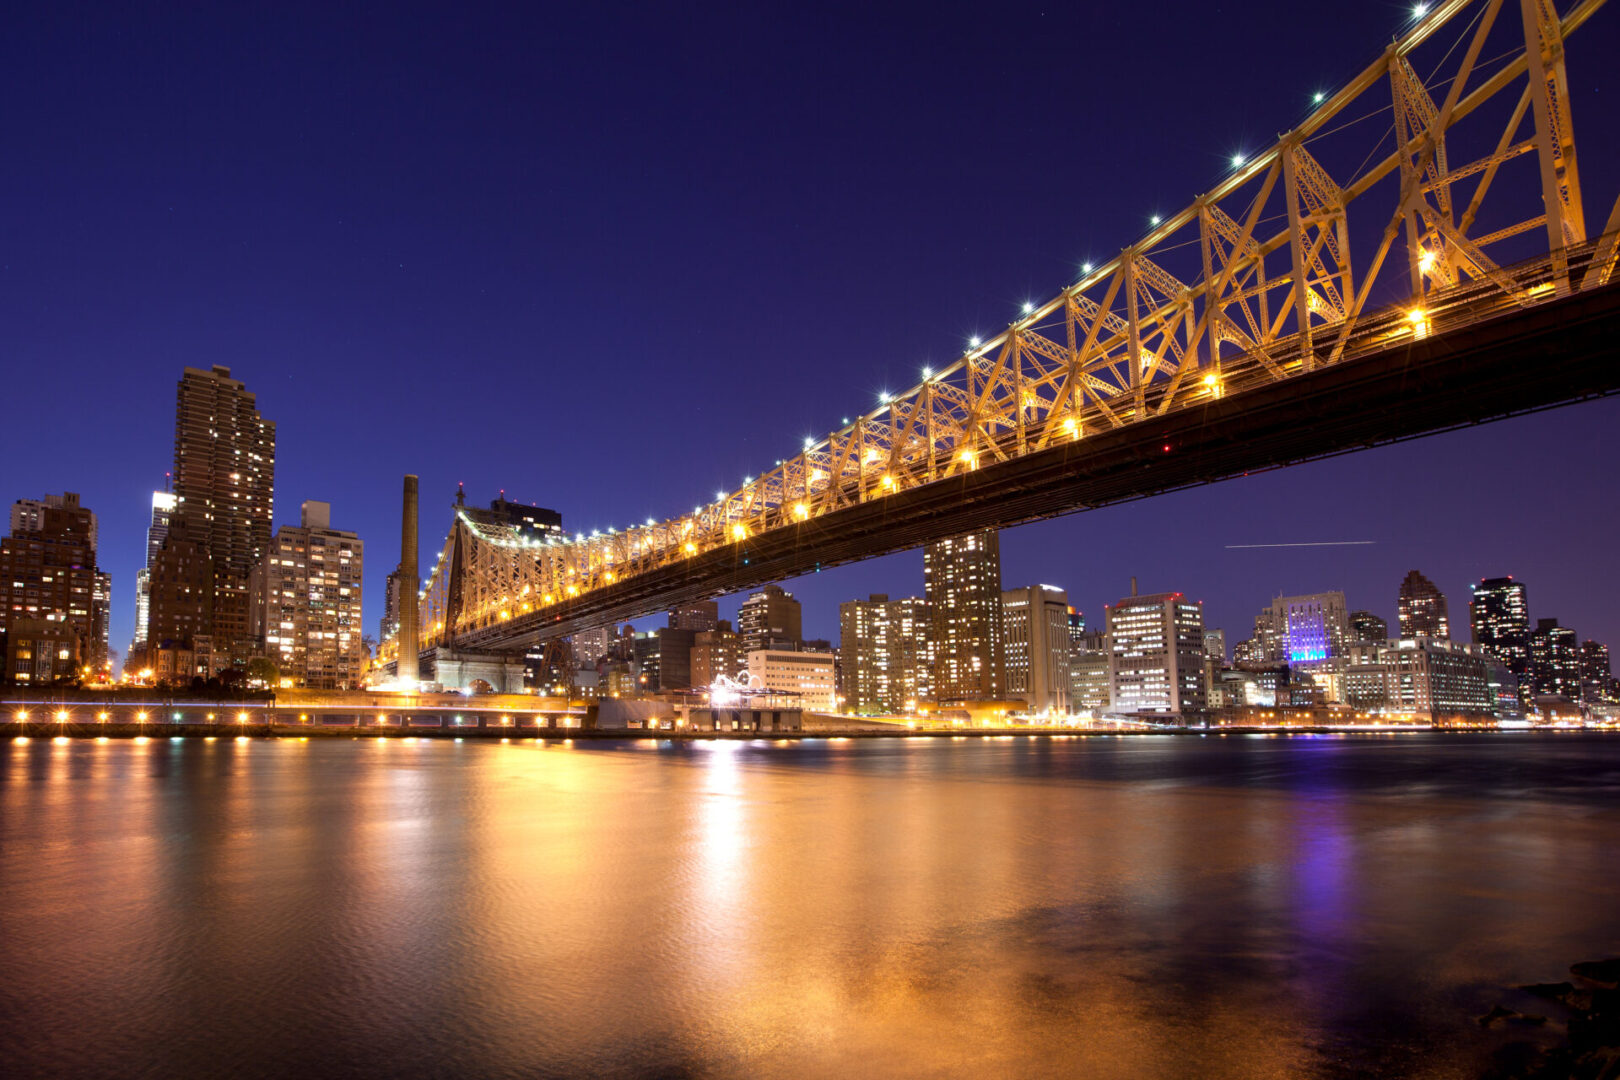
(1236, 335)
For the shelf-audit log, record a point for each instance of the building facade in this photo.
(1037, 647)
(305, 601)
(1499, 616)
(770, 619)
(224, 484)
(1365, 626)
(714, 653)
(807, 676)
(698, 616)
(962, 584)
(1421, 609)
(886, 654)
(1555, 660)
(1156, 655)
(1428, 678)
(49, 577)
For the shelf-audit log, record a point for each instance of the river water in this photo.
(1132, 906)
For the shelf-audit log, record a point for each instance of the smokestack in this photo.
(413, 604)
(409, 582)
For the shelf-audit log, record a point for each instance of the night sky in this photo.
(612, 258)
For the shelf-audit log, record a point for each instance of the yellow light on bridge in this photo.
(241, 718)
(816, 476)
(61, 715)
(1426, 261)
(967, 457)
(801, 511)
(1072, 426)
(739, 531)
(690, 548)
(871, 455)
(888, 481)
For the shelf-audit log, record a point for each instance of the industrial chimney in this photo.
(409, 582)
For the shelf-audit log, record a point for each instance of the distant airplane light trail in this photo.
(1319, 543)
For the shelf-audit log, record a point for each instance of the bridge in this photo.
(1263, 325)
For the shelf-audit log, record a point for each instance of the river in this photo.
(1130, 906)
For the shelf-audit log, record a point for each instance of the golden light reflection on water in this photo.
(1124, 907)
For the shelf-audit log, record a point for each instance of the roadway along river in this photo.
(1114, 907)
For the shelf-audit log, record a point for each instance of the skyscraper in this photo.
(163, 503)
(962, 583)
(770, 619)
(1555, 659)
(1596, 675)
(1156, 654)
(1499, 613)
(1367, 627)
(224, 480)
(1422, 609)
(1037, 644)
(305, 599)
(698, 616)
(51, 589)
(1303, 629)
(887, 653)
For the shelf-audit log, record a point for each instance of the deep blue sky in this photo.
(611, 258)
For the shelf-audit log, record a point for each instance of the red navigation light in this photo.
(1167, 448)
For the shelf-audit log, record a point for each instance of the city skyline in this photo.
(355, 304)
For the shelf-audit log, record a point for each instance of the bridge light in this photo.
(871, 455)
(1419, 10)
(801, 511)
(817, 475)
(1237, 161)
(928, 373)
(690, 548)
(974, 342)
(1318, 97)
(739, 531)
(846, 420)
(888, 481)
(1154, 220)
(1029, 308)
(241, 718)
(966, 456)
(1072, 426)
(748, 479)
(1085, 268)
(719, 496)
(1426, 261)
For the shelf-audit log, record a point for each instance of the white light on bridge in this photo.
(1154, 220)
(1419, 10)
(1085, 268)
(928, 373)
(1029, 308)
(1237, 161)
(1318, 97)
(973, 341)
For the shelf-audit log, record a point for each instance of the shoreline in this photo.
(97, 731)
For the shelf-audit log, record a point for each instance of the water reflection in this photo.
(1119, 907)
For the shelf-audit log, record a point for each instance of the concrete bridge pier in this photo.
(455, 670)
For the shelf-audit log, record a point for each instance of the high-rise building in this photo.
(50, 588)
(304, 600)
(224, 484)
(1555, 660)
(1091, 688)
(697, 616)
(809, 675)
(163, 503)
(1367, 627)
(1302, 629)
(1215, 645)
(770, 619)
(714, 653)
(1422, 609)
(1499, 613)
(593, 644)
(962, 583)
(388, 625)
(1156, 655)
(1037, 649)
(179, 646)
(886, 653)
(1597, 677)
(530, 522)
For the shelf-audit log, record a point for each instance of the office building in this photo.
(1156, 655)
(304, 599)
(224, 482)
(717, 652)
(51, 592)
(1421, 609)
(770, 619)
(962, 584)
(1427, 678)
(886, 654)
(593, 644)
(163, 504)
(806, 676)
(1555, 660)
(1301, 629)
(1215, 645)
(1365, 626)
(698, 616)
(1597, 677)
(1499, 615)
(1090, 685)
(1036, 647)
(181, 579)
